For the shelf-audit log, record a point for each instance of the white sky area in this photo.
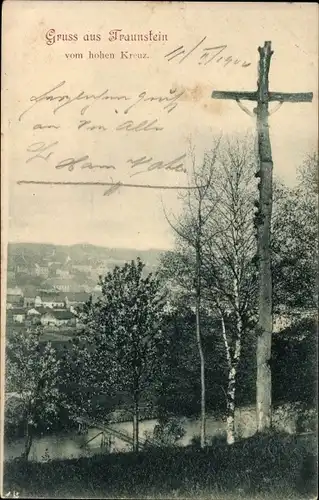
(133, 217)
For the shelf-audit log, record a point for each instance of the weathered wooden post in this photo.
(263, 222)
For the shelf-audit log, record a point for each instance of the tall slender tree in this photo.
(220, 224)
(190, 235)
(230, 273)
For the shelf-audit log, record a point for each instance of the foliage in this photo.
(169, 431)
(124, 327)
(229, 242)
(212, 441)
(32, 373)
(122, 346)
(308, 173)
(262, 467)
(295, 240)
(178, 389)
(294, 363)
(293, 366)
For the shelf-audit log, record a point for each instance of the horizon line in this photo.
(83, 243)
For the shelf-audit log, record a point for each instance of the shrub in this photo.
(168, 432)
(165, 434)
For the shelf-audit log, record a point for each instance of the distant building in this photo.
(33, 312)
(60, 284)
(32, 300)
(46, 288)
(21, 264)
(33, 317)
(29, 301)
(15, 291)
(64, 284)
(42, 271)
(58, 318)
(63, 273)
(53, 300)
(14, 297)
(76, 298)
(18, 315)
(22, 269)
(83, 268)
(56, 263)
(37, 301)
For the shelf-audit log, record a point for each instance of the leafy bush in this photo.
(307, 421)
(168, 432)
(212, 441)
(165, 434)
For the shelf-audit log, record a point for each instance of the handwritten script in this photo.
(58, 99)
(94, 115)
(78, 131)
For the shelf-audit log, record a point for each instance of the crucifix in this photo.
(263, 220)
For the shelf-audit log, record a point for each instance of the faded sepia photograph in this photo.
(159, 250)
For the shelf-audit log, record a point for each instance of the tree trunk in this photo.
(230, 394)
(230, 422)
(202, 380)
(232, 363)
(265, 323)
(200, 351)
(136, 424)
(28, 441)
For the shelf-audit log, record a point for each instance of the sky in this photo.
(134, 217)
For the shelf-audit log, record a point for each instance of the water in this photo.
(66, 445)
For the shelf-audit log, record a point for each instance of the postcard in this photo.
(159, 189)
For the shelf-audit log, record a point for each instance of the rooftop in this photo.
(61, 314)
(14, 299)
(43, 310)
(78, 296)
(53, 296)
(17, 310)
(14, 291)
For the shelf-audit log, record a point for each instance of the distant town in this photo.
(46, 284)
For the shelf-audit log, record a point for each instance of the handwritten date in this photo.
(206, 55)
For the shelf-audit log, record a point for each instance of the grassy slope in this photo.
(271, 467)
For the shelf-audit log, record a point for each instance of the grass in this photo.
(272, 467)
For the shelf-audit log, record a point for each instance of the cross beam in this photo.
(263, 222)
(272, 96)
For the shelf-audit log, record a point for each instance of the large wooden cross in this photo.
(263, 221)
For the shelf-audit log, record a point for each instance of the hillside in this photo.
(39, 253)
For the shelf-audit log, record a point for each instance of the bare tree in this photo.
(229, 250)
(190, 237)
(217, 242)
